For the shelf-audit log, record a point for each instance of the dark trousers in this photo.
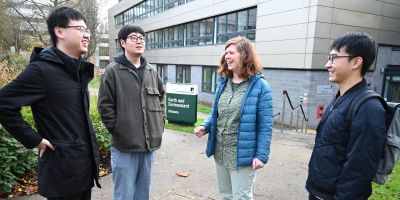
(86, 195)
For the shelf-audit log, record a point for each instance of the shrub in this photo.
(10, 66)
(15, 159)
(103, 138)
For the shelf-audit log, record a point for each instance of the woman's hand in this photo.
(200, 131)
(257, 164)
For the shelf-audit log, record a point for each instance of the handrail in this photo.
(276, 114)
(294, 108)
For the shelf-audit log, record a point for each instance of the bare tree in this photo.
(32, 15)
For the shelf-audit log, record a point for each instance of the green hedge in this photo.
(103, 138)
(15, 159)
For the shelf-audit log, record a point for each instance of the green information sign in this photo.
(182, 103)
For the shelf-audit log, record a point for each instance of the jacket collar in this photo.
(121, 59)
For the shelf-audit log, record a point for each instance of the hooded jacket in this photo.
(347, 151)
(131, 105)
(255, 126)
(56, 90)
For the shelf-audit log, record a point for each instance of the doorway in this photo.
(391, 85)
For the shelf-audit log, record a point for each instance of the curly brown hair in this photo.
(249, 62)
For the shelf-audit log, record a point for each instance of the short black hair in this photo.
(126, 30)
(357, 44)
(60, 17)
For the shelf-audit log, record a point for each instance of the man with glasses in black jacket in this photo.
(54, 85)
(347, 152)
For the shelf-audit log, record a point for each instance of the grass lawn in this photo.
(203, 108)
(389, 191)
(189, 129)
(177, 127)
(95, 82)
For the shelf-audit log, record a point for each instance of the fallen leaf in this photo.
(182, 174)
(102, 173)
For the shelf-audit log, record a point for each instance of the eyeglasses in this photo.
(135, 38)
(331, 58)
(82, 29)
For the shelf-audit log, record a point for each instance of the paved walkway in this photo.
(282, 178)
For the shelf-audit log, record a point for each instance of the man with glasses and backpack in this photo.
(347, 151)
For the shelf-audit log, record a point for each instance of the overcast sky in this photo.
(105, 5)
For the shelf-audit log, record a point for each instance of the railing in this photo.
(297, 108)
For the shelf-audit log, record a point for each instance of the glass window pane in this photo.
(231, 23)
(242, 20)
(195, 30)
(214, 79)
(202, 27)
(187, 74)
(221, 39)
(252, 19)
(251, 36)
(221, 24)
(165, 74)
(210, 26)
(179, 74)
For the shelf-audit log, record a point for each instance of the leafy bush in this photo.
(15, 160)
(103, 138)
(10, 66)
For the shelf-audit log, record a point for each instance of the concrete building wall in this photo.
(292, 40)
(380, 19)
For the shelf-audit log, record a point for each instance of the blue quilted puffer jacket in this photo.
(255, 127)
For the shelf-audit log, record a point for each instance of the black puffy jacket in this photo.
(347, 151)
(55, 87)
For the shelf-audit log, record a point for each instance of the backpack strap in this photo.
(360, 99)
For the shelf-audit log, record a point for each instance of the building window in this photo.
(391, 84)
(103, 64)
(118, 47)
(209, 79)
(163, 72)
(205, 31)
(192, 33)
(146, 9)
(182, 74)
(128, 16)
(168, 4)
(103, 51)
(239, 23)
(119, 20)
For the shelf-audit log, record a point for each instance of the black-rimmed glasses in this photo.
(82, 29)
(331, 58)
(135, 38)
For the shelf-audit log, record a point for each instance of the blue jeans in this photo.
(131, 173)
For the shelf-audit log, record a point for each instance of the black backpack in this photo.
(391, 150)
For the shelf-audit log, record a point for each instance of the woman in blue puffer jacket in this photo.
(240, 123)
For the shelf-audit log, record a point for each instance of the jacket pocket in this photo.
(68, 168)
(327, 163)
(153, 99)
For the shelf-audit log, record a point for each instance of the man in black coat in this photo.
(347, 151)
(54, 85)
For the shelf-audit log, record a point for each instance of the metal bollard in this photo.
(283, 112)
(291, 119)
(306, 127)
(297, 120)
